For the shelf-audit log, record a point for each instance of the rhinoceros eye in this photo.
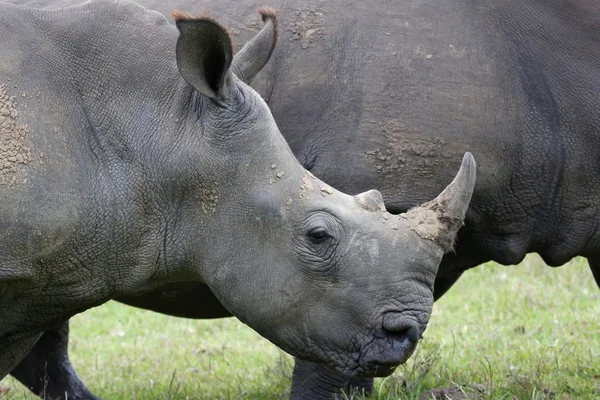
(318, 235)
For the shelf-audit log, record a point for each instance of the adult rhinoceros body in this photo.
(133, 157)
(388, 94)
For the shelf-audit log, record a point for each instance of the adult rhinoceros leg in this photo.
(13, 350)
(47, 371)
(594, 264)
(317, 381)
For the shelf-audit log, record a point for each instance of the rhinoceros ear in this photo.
(204, 54)
(256, 53)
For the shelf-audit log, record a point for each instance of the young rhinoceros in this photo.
(135, 156)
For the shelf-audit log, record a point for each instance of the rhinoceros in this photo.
(134, 156)
(389, 94)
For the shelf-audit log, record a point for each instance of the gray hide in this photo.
(389, 94)
(134, 158)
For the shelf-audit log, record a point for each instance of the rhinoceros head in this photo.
(326, 276)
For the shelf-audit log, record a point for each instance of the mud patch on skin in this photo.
(456, 52)
(306, 184)
(288, 203)
(393, 157)
(326, 189)
(431, 222)
(308, 26)
(424, 222)
(14, 139)
(399, 152)
(209, 198)
(279, 174)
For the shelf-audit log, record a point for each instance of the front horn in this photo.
(440, 219)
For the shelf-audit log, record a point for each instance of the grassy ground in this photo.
(524, 332)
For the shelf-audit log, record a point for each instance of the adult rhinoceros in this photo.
(134, 157)
(388, 94)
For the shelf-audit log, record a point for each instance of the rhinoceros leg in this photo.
(12, 351)
(47, 371)
(317, 381)
(595, 267)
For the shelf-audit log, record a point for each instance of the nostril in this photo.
(398, 338)
(399, 327)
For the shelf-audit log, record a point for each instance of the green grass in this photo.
(519, 332)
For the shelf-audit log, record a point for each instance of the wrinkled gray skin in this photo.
(141, 160)
(389, 94)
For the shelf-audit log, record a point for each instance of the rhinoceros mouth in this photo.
(386, 352)
(380, 370)
(381, 356)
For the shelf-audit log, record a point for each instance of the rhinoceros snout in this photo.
(388, 351)
(393, 345)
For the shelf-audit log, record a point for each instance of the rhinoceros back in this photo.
(70, 84)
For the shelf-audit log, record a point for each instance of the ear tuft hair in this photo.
(267, 12)
(180, 16)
